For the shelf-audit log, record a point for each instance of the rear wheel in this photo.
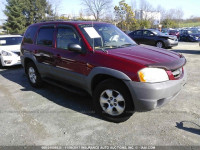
(160, 44)
(113, 101)
(33, 75)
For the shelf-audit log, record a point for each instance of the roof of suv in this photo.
(70, 22)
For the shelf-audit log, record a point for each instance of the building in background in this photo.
(147, 15)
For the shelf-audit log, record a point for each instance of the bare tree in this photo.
(56, 6)
(145, 6)
(96, 8)
(134, 5)
(162, 11)
(179, 13)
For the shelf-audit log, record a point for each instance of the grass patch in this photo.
(189, 24)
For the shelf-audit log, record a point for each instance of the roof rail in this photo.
(52, 20)
(49, 20)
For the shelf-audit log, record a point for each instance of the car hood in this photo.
(11, 48)
(168, 36)
(198, 35)
(146, 55)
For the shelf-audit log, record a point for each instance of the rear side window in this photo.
(66, 36)
(45, 36)
(30, 34)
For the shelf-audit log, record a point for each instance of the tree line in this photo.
(22, 13)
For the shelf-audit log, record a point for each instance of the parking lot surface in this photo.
(52, 116)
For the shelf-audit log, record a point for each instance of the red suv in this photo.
(121, 76)
(175, 32)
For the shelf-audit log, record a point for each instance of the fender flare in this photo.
(104, 71)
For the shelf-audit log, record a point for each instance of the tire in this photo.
(112, 93)
(33, 75)
(160, 44)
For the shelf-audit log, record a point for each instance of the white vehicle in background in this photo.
(10, 50)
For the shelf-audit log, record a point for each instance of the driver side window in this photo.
(66, 36)
(148, 33)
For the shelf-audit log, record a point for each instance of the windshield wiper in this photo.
(101, 48)
(110, 46)
(126, 45)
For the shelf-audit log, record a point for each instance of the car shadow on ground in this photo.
(187, 51)
(186, 125)
(78, 103)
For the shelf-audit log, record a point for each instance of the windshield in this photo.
(156, 32)
(105, 36)
(5, 41)
(193, 32)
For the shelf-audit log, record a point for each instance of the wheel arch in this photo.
(100, 74)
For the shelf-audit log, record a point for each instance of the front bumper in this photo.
(10, 60)
(171, 43)
(148, 96)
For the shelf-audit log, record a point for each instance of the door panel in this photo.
(69, 66)
(149, 38)
(44, 49)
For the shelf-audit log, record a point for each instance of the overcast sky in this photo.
(190, 7)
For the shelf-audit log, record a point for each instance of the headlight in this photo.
(153, 75)
(4, 53)
(191, 36)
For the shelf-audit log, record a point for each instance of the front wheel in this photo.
(159, 44)
(112, 101)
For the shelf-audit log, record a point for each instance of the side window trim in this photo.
(42, 27)
(34, 36)
(67, 27)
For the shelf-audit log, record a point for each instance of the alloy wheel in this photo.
(112, 102)
(32, 74)
(159, 45)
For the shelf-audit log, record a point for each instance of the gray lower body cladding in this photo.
(148, 96)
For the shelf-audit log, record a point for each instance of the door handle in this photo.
(35, 51)
(58, 56)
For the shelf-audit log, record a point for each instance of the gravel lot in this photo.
(52, 116)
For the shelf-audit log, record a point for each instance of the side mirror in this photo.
(75, 48)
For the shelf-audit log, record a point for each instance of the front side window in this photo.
(5, 41)
(66, 36)
(147, 33)
(45, 36)
(105, 36)
(156, 32)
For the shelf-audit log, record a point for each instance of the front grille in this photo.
(18, 53)
(177, 73)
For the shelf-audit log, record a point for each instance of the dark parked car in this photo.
(121, 76)
(154, 38)
(175, 33)
(190, 35)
